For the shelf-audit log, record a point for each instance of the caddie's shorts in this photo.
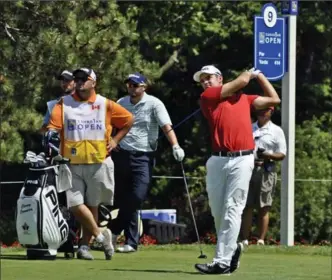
(261, 188)
(92, 184)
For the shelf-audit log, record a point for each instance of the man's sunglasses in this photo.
(83, 79)
(134, 85)
(263, 112)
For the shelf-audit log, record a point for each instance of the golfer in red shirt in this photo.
(229, 169)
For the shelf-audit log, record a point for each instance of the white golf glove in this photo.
(254, 72)
(178, 152)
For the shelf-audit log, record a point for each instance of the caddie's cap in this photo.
(88, 72)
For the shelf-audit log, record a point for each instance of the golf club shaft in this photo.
(181, 122)
(191, 207)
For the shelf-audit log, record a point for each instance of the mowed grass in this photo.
(173, 262)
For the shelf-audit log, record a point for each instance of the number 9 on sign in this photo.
(270, 16)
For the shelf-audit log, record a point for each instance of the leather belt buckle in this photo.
(229, 154)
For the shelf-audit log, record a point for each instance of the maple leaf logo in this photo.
(25, 227)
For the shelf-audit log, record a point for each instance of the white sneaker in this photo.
(107, 244)
(125, 249)
(260, 242)
(245, 242)
(83, 253)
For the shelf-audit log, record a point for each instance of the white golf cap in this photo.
(207, 69)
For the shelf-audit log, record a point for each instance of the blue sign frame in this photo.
(270, 43)
(290, 7)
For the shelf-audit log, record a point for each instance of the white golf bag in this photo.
(40, 225)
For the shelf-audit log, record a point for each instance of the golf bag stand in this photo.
(70, 246)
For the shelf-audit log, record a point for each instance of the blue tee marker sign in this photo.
(270, 43)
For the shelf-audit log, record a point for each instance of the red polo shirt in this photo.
(229, 120)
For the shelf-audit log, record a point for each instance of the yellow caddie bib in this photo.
(84, 130)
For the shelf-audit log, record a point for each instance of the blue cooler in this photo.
(163, 215)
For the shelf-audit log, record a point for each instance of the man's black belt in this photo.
(233, 153)
(136, 153)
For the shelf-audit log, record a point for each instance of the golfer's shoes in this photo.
(107, 244)
(125, 249)
(83, 253)
(213, 268)
(218, 268)
(235, 262)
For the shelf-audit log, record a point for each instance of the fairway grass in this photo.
(173, 262)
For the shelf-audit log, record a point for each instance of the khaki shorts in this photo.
(261, 188)
(92, 184)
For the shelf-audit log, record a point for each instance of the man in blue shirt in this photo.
(133, 162)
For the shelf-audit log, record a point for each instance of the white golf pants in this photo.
(227, 182)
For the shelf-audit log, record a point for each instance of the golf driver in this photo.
(201, 256)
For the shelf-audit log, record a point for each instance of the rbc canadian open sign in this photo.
(270, 43)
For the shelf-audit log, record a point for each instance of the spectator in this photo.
(134, 159)
(67, 85)
(270, 147)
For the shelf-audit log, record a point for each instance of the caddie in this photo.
(85, 120)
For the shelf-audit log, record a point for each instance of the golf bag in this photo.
(43, 225)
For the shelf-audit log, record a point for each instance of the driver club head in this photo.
(202, 256)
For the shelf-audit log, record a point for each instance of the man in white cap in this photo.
(67, 85)
(229, 169)
(85, 120)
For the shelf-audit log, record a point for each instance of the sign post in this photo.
(290, 8)
(275, 56)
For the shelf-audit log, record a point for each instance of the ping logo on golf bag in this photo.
(62, 224)
(32, 182)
